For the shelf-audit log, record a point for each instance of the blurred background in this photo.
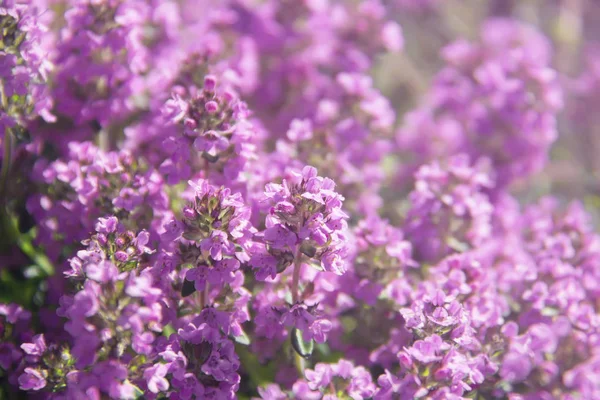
(572, 28)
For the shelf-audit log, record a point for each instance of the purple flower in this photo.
(306, 216)
(318, 330)
(216, 244)
(333, 261)
(142, 343)
(264, 264)
(496, 98)
(103, 272)
(128, 199)
(343, 376)
(320, 377)
(85, 303)
(298, 316)
(450, 199)
(155, 377)
(36, 348)
(428, 350)
(305, 212)
(106, 225)
(280, 237)
(271, 391)
(32, 379)
(515, 367)
(141, 286)
(300, 130)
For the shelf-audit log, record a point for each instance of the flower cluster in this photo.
(14, 330)
(351, 115)
(91, 184)
(305, 219)
(24, 69)
(449, 208)
(326, 381)
(383, 254)
(557, 326)
(113, 316)
(246, 199)
(215, 232)
(304, 46)
(199, 362)
(213, 122)
(496, 99)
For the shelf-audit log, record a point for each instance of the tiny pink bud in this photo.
(211, 107)
(210, 82)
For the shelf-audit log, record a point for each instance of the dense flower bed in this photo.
(214, 200)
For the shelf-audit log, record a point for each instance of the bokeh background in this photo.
(572, 28)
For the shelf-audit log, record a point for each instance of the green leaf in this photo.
(18, 291)
(40, 259)
(137, 362)
(137, 392)
(10, 225)
(168, 330)
(308, 250)
(288, 298)
(302, 347)
(242, 339)
(209, 157)
(316, 265)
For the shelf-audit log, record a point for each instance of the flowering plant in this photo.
(233, 200)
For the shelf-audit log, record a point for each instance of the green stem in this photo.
(296, 276)
(104, 140)
(204, 296)
(299, 362)
(3, 98)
